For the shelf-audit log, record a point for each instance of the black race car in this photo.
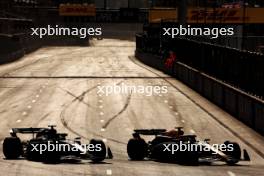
(49, 146)
(165, 147)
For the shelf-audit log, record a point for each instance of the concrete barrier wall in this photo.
(218, 94)
(10, 49)
(230, 101)
(13, 47)
(240, 68)
(246, 108)
(259, 116)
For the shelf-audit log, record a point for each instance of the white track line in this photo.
(192, 131)
(230, 173)
(109, 172)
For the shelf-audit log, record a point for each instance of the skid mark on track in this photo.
(45, 116)
(79, 98)
(119, 113)
(66, 125)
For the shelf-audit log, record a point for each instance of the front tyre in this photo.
(234, 155)
(12, 148)
(99, 152)
(136, 149)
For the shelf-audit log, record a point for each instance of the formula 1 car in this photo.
(48, 146)
(175, 147)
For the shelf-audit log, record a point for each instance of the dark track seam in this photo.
(81, 77)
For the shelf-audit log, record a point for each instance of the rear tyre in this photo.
(12, 148)
(99, 153)
(235, 154)
(137, 149)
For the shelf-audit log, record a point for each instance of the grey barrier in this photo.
(13, 47)
(246, 108)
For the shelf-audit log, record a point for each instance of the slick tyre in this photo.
(99, 153)
(235, 154)
(136, 149)
(12, 148)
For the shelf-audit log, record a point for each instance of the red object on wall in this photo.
(170, 60)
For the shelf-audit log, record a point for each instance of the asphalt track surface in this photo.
(59, 85)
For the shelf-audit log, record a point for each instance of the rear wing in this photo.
(26, 130)
(150, 131)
